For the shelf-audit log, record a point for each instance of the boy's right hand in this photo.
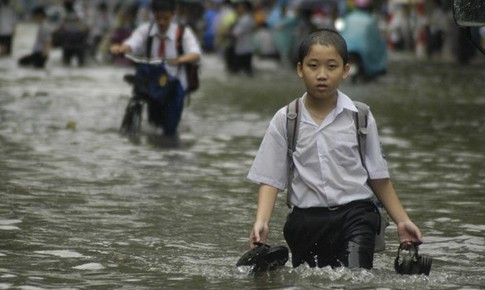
(117, 49)
(259, 234)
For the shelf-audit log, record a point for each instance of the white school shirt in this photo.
(138, 40)
(243, 32)
(43, 38)
(7, 20)
(328, 170)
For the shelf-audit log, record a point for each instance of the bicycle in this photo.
(142, 93)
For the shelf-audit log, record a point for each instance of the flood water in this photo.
(84, 208)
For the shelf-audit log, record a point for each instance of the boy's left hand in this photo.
(409, 233)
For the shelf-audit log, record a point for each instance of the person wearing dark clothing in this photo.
(72, 36)
(42, 45)
(7, 27)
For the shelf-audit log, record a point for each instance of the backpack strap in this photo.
(292, 127)
(148, 49)
(178, 41)
(360, 118)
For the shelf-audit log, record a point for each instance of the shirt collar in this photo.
(344, 102)
(170, 34)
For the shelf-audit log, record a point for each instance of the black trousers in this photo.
(243, 62)
(344, 236)
(69, 53)
(6, 42)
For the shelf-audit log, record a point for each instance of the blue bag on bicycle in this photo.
(155, 82)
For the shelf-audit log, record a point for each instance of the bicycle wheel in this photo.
(131, 123)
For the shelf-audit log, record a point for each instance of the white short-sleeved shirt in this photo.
(244, 33)
(7, 20)
(43, 38)
(328, 170)
(138, 41)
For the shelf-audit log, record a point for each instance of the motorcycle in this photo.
(366, 47)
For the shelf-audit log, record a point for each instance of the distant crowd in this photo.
(234, 29)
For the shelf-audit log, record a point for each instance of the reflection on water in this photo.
(82, 207)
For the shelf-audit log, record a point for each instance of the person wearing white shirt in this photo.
(243, 33)
(8, 22)
(333, 222)
(42, 44)
(163, 33)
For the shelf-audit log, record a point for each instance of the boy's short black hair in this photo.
(324, 37)
(163, 5)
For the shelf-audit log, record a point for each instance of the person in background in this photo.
(437, 29)
(101, 25)
(283, 32)
(401, 29)
(163, 33)
(243, 33)
(42, 44)
(8, 22)
(72, 36)
(333, 221)
(125, 24)
(224, 42)
(209, 20)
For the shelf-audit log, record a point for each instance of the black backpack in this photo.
(191, 69)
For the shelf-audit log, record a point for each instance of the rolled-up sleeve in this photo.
(138, 39)
(190, 44)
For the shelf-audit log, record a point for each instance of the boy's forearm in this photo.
(386, 194)
(266, 200)
(189, 58)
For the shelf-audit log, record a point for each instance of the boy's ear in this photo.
(299, 69)
(346, 70)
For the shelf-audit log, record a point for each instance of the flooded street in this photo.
(84, 208)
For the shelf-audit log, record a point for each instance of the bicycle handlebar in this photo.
(145, 60)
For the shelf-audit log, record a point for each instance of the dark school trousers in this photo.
(167, 114)
(69, 53)
(6, 42)
(243, 62)
(342, 236)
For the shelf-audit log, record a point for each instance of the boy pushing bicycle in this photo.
(159, 40)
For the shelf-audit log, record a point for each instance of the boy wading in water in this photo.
(333, 221)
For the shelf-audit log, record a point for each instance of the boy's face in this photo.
(322, 71)
(163, 19)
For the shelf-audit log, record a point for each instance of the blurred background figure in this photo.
(283, 23)
(436, 29)
(101, 24)
(42, 44)
(72, 36)
(224, 41)
(209, 24)
(401, 28)
(8, 22)
(243, 33)
(125, 24)
(264, 44)
(366, 46)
